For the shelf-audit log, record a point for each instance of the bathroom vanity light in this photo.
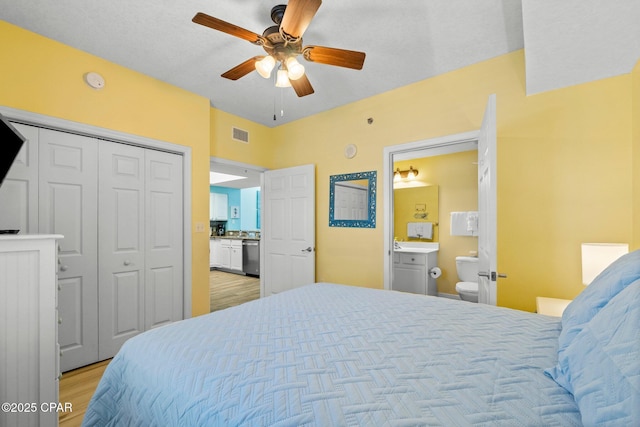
(408, 174)
(598, 256)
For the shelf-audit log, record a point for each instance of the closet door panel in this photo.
(20, 186)
(164, 235)
(121, 245)
(68, 206)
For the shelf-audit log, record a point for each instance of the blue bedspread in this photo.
(333, 355)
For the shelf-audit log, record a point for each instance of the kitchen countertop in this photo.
(234, 238)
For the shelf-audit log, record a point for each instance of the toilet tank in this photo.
(467, 267)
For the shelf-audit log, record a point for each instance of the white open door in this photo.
(487, 206)
(288, 236)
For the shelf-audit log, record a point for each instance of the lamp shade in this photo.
(598, 256)
(282, 79)
(295, 69)
(265, 65)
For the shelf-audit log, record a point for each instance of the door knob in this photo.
(309, 249)
(127, 262)
(64, 267)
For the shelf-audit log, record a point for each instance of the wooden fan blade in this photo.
(243, 69)
(333, 56)
(298, 16)
(225, 27)
(302, 86)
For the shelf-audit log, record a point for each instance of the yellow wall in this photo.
(564, 170)
(409, 204)
(564, 157)
(636, 156)
(46, 77)
(456, 175)
(257, 152)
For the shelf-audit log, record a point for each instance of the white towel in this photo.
(460, 224)
(421, 230)
(472, 223)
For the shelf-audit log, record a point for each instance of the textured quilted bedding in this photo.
(333, 355)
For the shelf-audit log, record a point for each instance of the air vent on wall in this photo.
(240, 135)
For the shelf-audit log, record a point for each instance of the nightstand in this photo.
(551, 306)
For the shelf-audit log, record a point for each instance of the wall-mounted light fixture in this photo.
(598, 256)
(409, 174)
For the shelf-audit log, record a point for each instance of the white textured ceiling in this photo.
(566, 42)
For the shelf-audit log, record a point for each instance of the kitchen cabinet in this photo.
(215, 253)
(219, 206)
(235, 252)
(226, 253)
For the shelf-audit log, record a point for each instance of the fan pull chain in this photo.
(281, 102)
(275, 94)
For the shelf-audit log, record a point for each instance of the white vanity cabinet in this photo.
(411, 272)
(29, 350)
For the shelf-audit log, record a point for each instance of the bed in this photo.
(335, 355)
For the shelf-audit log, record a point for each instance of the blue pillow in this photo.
(601, 366)
(605, 286)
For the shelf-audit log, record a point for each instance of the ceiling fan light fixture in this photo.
(282, 79)
(294, 68)
(265, 65)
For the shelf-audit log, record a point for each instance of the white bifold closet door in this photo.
(68, 205)
(120, 209)
(140, 281)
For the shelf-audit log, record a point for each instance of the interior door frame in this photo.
(213, 160)
(43, 121)
(411, 150)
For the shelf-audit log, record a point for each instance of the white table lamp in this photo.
(598, 256)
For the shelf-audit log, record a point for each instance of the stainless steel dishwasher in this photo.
(251, 257)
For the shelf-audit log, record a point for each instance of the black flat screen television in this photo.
(10, 143)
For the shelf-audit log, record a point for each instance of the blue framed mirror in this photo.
(352, 200)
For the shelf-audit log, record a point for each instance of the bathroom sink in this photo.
(411, 247)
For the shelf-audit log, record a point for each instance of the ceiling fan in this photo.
(283, 43)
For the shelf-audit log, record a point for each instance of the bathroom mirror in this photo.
(415, 205)
(352, 200)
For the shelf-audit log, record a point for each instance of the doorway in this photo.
(419, 149)
(238, 182)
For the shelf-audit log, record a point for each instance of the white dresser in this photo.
(29, 351)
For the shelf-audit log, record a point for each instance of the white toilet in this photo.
(467, 268)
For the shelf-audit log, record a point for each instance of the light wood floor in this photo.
(228, 289)
(78, 386)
